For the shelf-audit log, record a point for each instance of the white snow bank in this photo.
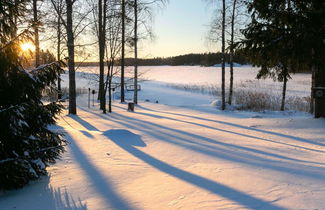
(167, 157)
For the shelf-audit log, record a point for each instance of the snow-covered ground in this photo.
(244, 77)
(181, 153)
(162, 83)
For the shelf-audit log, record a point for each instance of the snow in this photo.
(182, 153)
(40, 163)
(244, 78)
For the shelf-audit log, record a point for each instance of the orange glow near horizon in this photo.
(27, 46)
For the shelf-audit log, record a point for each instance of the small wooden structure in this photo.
(129, 87)
(131, 107)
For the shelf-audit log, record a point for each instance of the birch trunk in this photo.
(36, 34)
(123, 52)
(231, 59)
(135, 97)
(223, 93)
(71, 64)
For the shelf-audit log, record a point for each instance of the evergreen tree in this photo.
(27, 145)
(288, 35)
(269, 41)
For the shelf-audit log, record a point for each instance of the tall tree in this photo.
(101, 45)
(113, 47)
(71, 62)
(232, 46)
(141, 8)
(75, 23)
(123, 13)
(59, 39)
(268, 42)
(36, 24)
(223, 46)
(286, 35)
(27, 146)
(135, 97)
(310, 16)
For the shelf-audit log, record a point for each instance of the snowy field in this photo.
(183, 153)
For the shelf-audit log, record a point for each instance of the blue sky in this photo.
(180, 28)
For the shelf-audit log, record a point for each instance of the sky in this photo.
(180, 28)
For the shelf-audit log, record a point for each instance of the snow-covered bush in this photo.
(249, 96)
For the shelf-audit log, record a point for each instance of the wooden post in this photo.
(319, 109)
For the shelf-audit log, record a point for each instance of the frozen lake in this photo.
(244, 77)
(178, 85)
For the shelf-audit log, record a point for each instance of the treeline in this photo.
(202, 59)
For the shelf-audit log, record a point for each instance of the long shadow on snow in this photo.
(218, 152)
(46, 197)
(202, 138)
(100, 182)
(239, 134)
(129, 141)
(239, 126)
(84, 123)
(223, 130)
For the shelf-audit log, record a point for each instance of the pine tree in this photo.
(285, 36)
(269, 40)
(27, 145)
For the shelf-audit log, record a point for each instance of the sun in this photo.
(27, 46)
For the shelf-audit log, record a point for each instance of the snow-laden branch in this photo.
(6, 109)
(41, 150)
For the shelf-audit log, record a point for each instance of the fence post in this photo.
(88, 97)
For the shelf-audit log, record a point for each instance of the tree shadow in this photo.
(129, 141)
(84, 123)
(41, 195)
(221, 150)
(100, 182)
(64, 201)
(238, 126)
(228, 131)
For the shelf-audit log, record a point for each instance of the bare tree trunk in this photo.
(313, 81)
(101, 43)
(123, 52)
(59, 47)
(110, 95)
(285, 70)
(223, 93)
(319, 102)
(101, 58)
(103, 99)
(312, 100)
(110, 86)
(135, 97)
(231, 59)
(71, 64)
(284, 88)
(110, 66)
(36, 34)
